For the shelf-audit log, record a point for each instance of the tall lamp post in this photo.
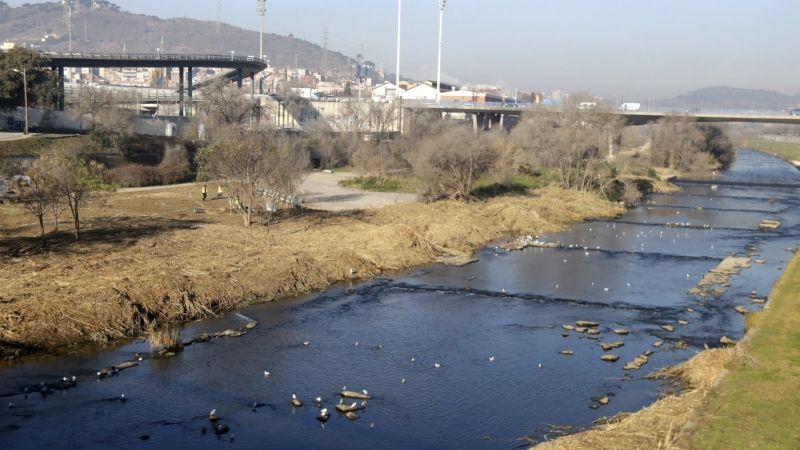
(25, 88)
(262, 9)
(439, 66)
(397, 70)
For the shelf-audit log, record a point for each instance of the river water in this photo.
(633, 274)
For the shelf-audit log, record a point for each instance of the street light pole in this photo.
(262, 9)
(397, 70)
(25, 89)
(439, 65)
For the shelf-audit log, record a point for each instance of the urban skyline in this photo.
(618, 48)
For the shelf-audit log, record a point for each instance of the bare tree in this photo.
(76, 179)
(453, 161)
(245, 161)
(224, 105)
(110, 121)
(570, 141)
(36, 190)
(381, 119)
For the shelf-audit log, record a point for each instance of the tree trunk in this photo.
(41, 225)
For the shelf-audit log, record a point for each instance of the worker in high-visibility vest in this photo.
(219, 191)
(205, 192)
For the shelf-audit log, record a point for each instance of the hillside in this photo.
(108, 29)
(722, 97)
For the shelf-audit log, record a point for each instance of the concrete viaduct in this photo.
(242, 66)
(495, 113)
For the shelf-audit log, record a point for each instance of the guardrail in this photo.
(643, 109)
(154, 57)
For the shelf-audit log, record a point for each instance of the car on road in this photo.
(794, 112)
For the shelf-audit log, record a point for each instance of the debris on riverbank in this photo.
(658, 425)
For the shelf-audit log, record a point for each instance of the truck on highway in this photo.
(630, 107)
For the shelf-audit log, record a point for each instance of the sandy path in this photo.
(321, 191)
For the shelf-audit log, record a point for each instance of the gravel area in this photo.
(322, 191)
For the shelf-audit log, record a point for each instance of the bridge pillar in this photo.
(252, 89)
(189, 91)
(502, 120)
(180, 91)
(61, 88)
(239, 77)
(475, 122)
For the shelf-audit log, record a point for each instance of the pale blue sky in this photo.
(636, 48)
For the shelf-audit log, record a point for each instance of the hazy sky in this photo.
(636, 48)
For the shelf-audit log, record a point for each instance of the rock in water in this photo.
(769, 225)
(669, 328)
(351, 416)
(658, 344)
(648, 352)
(231, 333)
(221, 429)
(586, 324)
(601, 400)
(742, 310)
(631, 366)
(296, 403)
(725, 340)
(609, 358)
(566, 352)
(568, 327)
(621, 331)
(352, 394)
(606, 347)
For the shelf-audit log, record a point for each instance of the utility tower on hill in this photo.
(262, 9)
(219, 14)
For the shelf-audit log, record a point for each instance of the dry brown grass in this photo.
(146, 260)
(659, 425)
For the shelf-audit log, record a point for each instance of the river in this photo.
(634, 273)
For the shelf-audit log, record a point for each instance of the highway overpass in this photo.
(242, 66)
(495, 111)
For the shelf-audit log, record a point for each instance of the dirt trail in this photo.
(146, 260)
(322, 191)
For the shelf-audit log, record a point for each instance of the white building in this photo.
(388, 91)
(420, 92)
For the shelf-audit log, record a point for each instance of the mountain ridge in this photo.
(106, 28)
(726, 97)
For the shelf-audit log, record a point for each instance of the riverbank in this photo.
(788, 151)
(746, 396)
(147, 260)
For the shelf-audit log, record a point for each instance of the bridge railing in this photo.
(154, 57)
(468, 104)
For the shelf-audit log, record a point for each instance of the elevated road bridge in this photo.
(242, 66)
(493, 112)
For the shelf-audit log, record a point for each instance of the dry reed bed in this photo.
(657, 426)
(100, 291)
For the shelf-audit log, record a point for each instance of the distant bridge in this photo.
(243, 66)
(494, 112)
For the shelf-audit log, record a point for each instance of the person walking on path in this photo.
(219, 191)
(205, 192)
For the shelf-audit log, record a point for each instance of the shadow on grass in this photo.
(121, 232)
(520, 185)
